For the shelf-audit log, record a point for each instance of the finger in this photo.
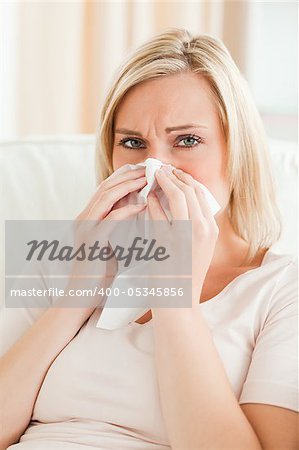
(190, 181)
(109, 182)
(204, 204)
(194, 208)
(124, 212)
(88, 227)
(109, 197)
(176, 198)
(130, 174)
(108, 223)
(154, 207)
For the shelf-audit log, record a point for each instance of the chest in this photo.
(102, 378)
(214, 283)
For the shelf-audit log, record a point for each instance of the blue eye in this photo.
(136, 144)
(196, 141)
(124, 141)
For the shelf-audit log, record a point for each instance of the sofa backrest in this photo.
(53, 177)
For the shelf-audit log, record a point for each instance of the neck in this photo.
(230, 249)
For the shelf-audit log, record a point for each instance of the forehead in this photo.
(183, 96)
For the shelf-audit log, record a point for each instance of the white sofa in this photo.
(52, 177)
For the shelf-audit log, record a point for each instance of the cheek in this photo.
(207, 171)
(118, 159)
(212, 175)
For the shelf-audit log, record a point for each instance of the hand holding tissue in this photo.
(116, 317)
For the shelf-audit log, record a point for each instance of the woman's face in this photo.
(173, 119)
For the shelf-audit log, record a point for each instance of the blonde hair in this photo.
(252, 209)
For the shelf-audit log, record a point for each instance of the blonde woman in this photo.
(218, 375)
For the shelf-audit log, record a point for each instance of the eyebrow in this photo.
(168, 129)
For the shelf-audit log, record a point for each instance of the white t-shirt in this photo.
(102, 390)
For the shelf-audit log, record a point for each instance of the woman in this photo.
(218, 375)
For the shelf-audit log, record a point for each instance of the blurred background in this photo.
(58, 58)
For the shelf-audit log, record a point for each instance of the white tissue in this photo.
(111, 317)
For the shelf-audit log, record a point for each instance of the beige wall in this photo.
(65, 53)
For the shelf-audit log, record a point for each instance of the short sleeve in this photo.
(272, 377)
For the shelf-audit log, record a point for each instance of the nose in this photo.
(161, 155)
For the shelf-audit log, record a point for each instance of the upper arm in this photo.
(272, 377)
(269, 397)
(275, 427)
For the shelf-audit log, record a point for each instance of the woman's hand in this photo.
(110, 191)
(95, 223)
(187, 202)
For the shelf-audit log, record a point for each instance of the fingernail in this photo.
(178, 171)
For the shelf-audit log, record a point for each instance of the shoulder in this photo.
(285, 283)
